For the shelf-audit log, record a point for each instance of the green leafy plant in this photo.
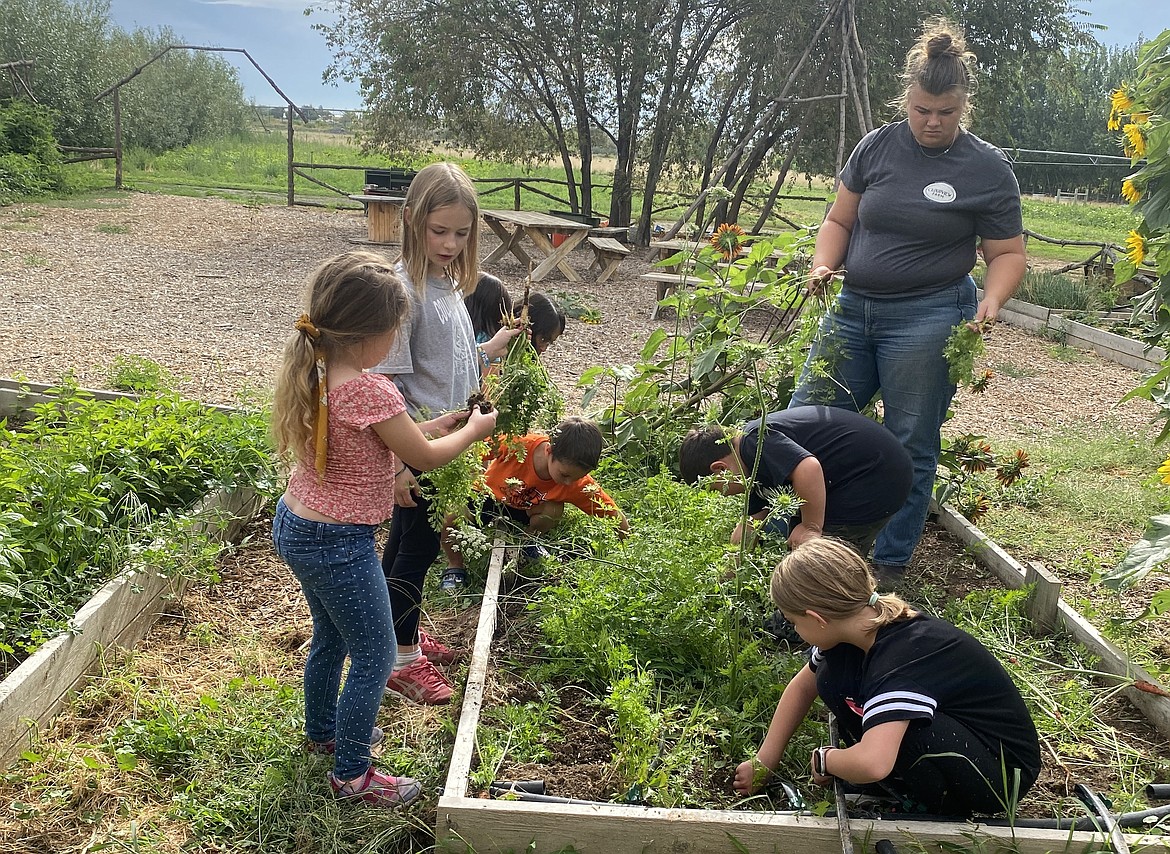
(139, 374)
(91, 487)
(521, 388)
(741, 325)
(963, 347)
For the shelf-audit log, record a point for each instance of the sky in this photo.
(278, 35)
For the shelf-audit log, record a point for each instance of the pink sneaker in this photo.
(436, 651)
(420, 682)
(377, 789)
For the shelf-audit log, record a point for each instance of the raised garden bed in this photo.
(1108, 345)
(467, 822)
(119, 614)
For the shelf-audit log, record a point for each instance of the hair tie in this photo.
(306, 326)
(873, 599)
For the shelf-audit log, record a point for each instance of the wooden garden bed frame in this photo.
(119, 614)
(467, 824)
(1108, 345)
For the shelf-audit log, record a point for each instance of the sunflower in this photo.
(1135, 248)
(1135, 143)
(1130, 191)
(1119, 103)
(728, 239)
(1164, 471)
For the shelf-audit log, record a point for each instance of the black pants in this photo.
(945, 769)
(411, 549)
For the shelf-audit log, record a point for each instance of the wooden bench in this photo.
(607, 255)
(666, 283)
(618, 232)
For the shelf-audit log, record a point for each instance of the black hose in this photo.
(1158, 792)
(884, 846)
(1127, 820)
(1093, 801)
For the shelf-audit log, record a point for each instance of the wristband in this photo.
(485, 358)
(400, 470)
(818, 761)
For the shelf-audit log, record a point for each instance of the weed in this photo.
(113, 228)
(138, 374)
(34, 260)
(1070, 355)
(1010, 369)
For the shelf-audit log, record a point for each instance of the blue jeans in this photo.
(895, 346)
(341, 576)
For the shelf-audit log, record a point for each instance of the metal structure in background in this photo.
(116, 88)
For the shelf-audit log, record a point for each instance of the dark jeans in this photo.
(895, 346)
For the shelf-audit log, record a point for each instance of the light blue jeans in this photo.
(341, 576)
(894, 346)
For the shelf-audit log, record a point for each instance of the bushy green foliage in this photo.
(662, 624)
(89, 487)
(739, 337)
(1059, 291)
(29, 161)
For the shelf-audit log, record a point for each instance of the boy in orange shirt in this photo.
(531, 480)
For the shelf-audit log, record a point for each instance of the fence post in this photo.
(515, 194)
(117, 140)
(289, 113)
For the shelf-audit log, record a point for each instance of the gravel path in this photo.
(208, 289)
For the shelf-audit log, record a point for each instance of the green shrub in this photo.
(89, 487)
(1054, 290)
(30, 163)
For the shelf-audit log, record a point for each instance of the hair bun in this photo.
(939, 44)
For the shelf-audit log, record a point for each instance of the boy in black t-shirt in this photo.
(923, 708)
(850, 472)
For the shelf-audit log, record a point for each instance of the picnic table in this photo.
(512, 226)
(383, 216)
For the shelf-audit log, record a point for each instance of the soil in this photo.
(209, 290)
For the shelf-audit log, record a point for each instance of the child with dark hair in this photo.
(926, 713)
(850, 473)
(546, 321)
(490, 307)
(531, 478)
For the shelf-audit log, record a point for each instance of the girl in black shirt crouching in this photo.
(922, 707)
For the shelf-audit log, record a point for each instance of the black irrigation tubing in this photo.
(1129, 820)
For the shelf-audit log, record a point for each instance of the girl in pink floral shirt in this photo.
(346, 431)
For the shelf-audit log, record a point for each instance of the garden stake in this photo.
(839, 795)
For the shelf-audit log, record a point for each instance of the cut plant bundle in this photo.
(521, 388)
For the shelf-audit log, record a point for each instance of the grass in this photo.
(1084, 502)
(254, 167)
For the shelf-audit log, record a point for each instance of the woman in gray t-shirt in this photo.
(917, 199)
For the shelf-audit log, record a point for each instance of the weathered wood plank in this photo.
(478, 825)
(464, 749)
(1156, 708)
(119, 614)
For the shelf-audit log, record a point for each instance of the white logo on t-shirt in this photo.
(940, 191)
